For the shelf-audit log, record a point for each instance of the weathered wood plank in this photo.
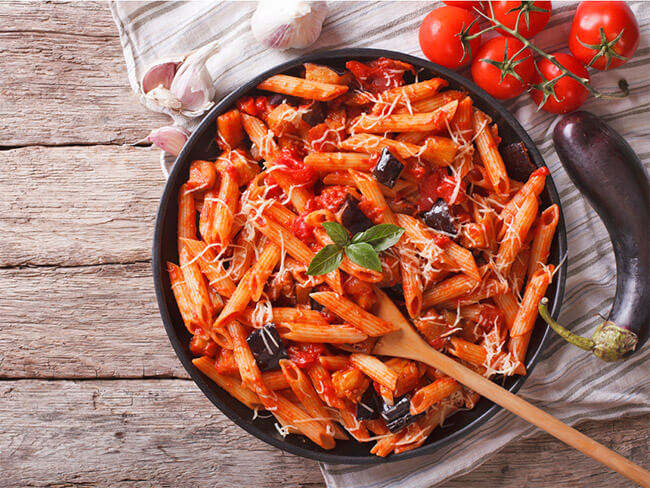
(166, 433)
(132, 433)
(78, 205)
(542, 461)
(82, 322)
(64, 78)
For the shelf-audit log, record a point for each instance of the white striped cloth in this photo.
(567, 382)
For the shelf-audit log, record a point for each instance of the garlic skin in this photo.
(192, 85)
(159, 75)
(288, 24)
(181, 87)
(170, 139)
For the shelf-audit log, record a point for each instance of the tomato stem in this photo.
(547, 86)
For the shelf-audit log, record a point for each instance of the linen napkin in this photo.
(567, 382)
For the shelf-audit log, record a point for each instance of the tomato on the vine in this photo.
(533, 15)
(466, 4)
(503, 68)
(604, 35)
(442, 36)
(565, 94)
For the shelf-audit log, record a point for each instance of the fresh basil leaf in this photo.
(380, 237)
(326, 260)
(364, 255)
(337, 233)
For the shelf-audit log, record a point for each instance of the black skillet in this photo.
(201, 146)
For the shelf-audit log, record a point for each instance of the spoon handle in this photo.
(532, 414)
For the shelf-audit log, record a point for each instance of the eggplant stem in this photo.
(582, 342)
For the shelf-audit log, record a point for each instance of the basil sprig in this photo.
(362, 249)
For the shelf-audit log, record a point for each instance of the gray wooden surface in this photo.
(91, 393)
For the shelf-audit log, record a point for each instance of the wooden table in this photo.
(91, 393)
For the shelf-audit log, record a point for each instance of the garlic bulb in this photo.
(181, 87)
(170, 139)
(288, 24)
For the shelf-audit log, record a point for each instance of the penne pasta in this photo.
(386, 186)
(322, 161)
(299, 87)
(374, 369)
(311, 332)
(535, 290)
(487, 149)
(353, 313)
(542, 238)
(431, 394)
(418, 122)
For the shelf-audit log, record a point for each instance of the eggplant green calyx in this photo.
(609, 342)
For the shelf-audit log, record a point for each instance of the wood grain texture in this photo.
(166, 433)
(64, 78)
(83, 322)
(79, 205)
(542, 461)
(132, 434)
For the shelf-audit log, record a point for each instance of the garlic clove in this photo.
(170, 139)
(192, 85)
(159, 75)
(288, 24)
(162, 97)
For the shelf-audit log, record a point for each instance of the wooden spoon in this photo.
(407, 343)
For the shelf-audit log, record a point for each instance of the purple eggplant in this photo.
(438, 217)
(387, 169)
(398, 416)
(370, 405)
(353, 218)
(603, 166)
(518, 163)
(267, 347)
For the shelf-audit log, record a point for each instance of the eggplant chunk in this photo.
(370, 406)
(315, 305)
(353, 218)
(397, 416)
(518, 163)
(314, 114)
(388, 168)
(395, 292)
(439, 218)
(278, 99)
(267, 347)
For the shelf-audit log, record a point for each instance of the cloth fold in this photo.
(567, 382)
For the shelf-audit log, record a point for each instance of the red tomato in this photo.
(302, 230)
(594, 37)
(466, 4)
(570, 94)
(489, 77)
(440, 36)
(332, 197)
(297, 171)
(305, 354)
(533, 16)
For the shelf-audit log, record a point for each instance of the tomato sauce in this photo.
(439, 184)
(305, 355)
(372, 211)
(253, 106)
(200, 346)
(332, 197)
(302, 230)
(295, 169)
(379, 75)
(490, 316)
